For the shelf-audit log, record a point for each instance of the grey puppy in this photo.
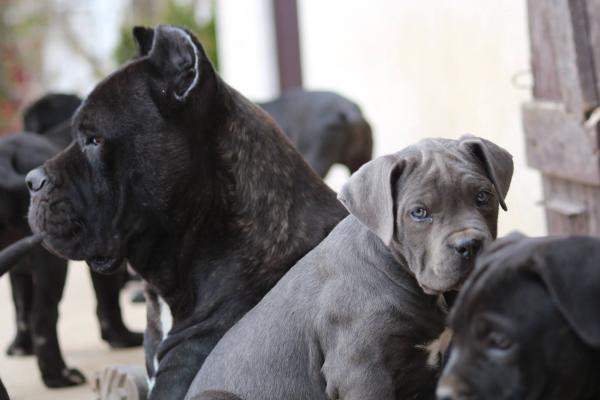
(325, 127)
(355, 318)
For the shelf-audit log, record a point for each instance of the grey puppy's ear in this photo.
(176, 56)
(144, 37)
(497, 162)
(369, 195)
(570, 269)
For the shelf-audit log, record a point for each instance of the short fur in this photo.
(194, 185)
(526, 323)
(352, 320)
(325, 127)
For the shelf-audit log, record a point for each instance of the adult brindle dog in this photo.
(194, 185)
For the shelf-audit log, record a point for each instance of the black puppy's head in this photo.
(526, 323)
(49, 111)
(435, 204)
(19, 154)
(140, 152)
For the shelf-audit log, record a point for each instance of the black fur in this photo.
(196, 186)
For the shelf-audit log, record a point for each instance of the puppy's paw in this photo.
(67, 377)
(122, 338)
(20, 346)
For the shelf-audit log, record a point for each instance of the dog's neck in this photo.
(254, 223)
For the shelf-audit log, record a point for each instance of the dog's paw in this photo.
(68, 377)
(20, 346)
(120, 339)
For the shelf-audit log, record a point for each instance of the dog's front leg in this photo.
(49, 280)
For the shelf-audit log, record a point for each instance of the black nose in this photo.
(36, 179)
(468, 248)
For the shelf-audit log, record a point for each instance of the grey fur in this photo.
(351, 319)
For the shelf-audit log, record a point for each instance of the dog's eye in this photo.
(419, 214)
(482, 198)
(94, 140)
(498, 341)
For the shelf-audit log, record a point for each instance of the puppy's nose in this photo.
(36, 179)
(468, 248)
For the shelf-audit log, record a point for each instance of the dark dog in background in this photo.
(38, 280)
(527, 323)
(361, 316)
(51, 115)
(194, 185)
(325, 127)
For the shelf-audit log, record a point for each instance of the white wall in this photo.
(246, 45)
(429, 68)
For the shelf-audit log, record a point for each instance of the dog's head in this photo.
(526, 323)
(435, 204)
(141, 148)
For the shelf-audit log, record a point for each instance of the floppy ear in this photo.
(570, 269)
(369, 195)
(143, 39)
(176, 55)
(497, 162)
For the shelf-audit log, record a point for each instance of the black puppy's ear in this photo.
(144, 37)
(369, 195)
(570, 269)
(176, 55)
(497, 162)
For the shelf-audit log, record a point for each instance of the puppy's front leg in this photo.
(354, 364)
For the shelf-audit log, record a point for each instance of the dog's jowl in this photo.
(355, 318)
(526, 323)
(194, 185)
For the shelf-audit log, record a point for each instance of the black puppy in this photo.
(51, 115)
(38, 280)
(527, 323)
(194, 185)
(325, 127)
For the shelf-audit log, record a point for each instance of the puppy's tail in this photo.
(13, 253)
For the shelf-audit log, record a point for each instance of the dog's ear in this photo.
(26, 152)
(144, 37)
(570, 269)
(369, 195)
(497, 162)
(177, 57)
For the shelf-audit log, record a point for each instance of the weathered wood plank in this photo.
(561, 54)
(559, 144)
(578, 196)
(546, 85)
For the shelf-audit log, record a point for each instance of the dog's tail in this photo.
(13, 253)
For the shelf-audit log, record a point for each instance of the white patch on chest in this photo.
(437, 348)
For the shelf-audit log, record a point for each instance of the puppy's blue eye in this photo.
(419, 214)
(483, 198)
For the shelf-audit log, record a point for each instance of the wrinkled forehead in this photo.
(117, 94)
(498, 289)
(439, 168)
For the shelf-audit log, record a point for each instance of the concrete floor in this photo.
(79, 335)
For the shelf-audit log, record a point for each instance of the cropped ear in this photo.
(176, 55)
(570, 269)
(144, 37)
(497, 162)
(369, 195)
